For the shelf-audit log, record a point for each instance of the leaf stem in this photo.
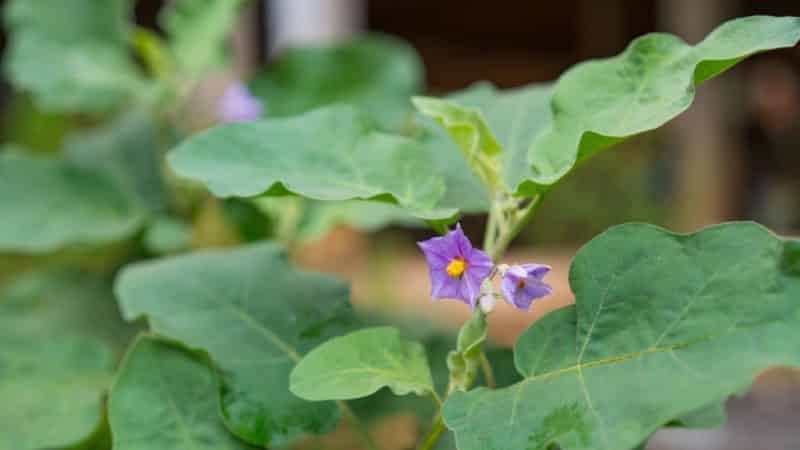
(348, 413)
(488, 372)
(519, 222)
(434, 434)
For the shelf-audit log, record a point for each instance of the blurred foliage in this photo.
(630, 184)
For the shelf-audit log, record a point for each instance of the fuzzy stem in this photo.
(488, 372)
(434, 435)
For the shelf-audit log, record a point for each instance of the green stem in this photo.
(488, 372)
(358, 425)
(434, 435)
(519, 223)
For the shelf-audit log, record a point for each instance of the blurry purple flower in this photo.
(237, 104)
(457, 270)
(523, 284)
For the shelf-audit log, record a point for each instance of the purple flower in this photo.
(523, 284)
(457, 270)
(237, 104)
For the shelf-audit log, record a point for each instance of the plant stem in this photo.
(519, 223)
(488, 372)
(434, 435)
(358, 425)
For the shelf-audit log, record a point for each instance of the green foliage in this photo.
(333, 153)
(663, 325)
(58, 336)
(72, 54)
(360, 363)
(599, 103)
(163, 399)
(375, 73)
(127, 150)
(197, 32)
(256, 316)
(47, 204)
(167, 235)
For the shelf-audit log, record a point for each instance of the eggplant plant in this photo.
(121, 331)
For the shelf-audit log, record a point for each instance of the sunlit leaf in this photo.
(256, 316)
(546, 130)
(47, 204)
(360, 363)
(664, 324)
(165, 398)
(333, 153)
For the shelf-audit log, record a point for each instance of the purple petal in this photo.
(238, 105)
(530, 276)
(537, 271)
(461, 242)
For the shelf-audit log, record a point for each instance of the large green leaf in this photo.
(72, 54)
(58, 332)
(256, 316)
(47, 204)
(333, 153)
(599, 103)
(664, 324)
(165, 398)
(198, 30)
(360, 363)
(127, 149)
(376, 73)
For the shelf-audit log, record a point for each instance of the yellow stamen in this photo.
(456, 267)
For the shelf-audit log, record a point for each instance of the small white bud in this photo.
(487, 302)
(502, 269)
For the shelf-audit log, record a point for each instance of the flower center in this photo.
(521, 284)
(456, 267)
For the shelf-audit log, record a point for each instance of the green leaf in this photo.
(333, 153)
(58, 331)
(48, 204)
(375, 73)
(127, 150)
(167, 235)
(599, 103)
(256, 316)
(321, 217)
(198, 31)
(164, 398)
(664, 324)
(72, 54)
(359, 364)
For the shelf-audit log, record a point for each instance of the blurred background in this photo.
(732, 156)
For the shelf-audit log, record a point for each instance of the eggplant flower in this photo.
(457, 269)
(237, 104)
(523, 284)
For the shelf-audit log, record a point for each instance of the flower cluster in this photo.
(459, 271)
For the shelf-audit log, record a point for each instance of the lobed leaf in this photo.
(76, 65)
(359, 364)
(256, 316)
(48, 204)
(375, 73)
(545, 130)
(163, 399)
(663, 325)
(333, 153)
